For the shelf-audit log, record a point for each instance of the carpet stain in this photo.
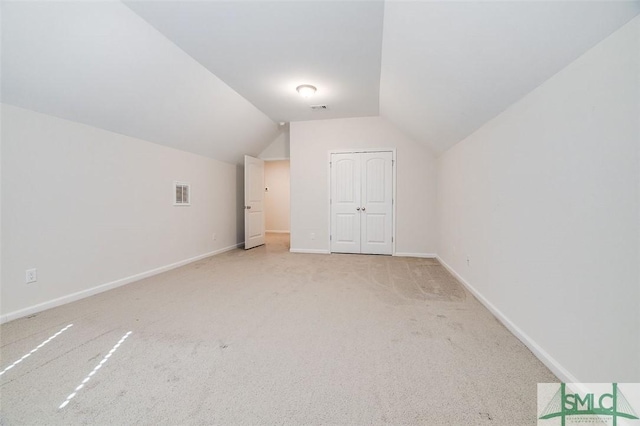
(486, 416)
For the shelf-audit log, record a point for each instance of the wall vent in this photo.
(182, 194)
(318, 107)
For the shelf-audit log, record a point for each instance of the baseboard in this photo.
(311, 251)
(107, 286)
(421, 255)
(556, 368)
(278, 232)
(562, 373)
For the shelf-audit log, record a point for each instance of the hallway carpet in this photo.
(269, 337)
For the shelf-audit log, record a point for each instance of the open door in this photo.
(253, 202)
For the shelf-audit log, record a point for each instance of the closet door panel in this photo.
(377, 203)
(345, 203)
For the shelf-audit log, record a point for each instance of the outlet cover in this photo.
(32, 276)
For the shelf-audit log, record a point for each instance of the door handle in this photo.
(363, 209)
(248, 207)
(358, 208)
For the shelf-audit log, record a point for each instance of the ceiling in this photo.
(449, 67)
(100, 64)
(264, 50)
(213, 77)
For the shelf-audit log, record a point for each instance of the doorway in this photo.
(277, 196)
(362, 192)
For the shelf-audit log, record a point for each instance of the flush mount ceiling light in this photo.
(306, 90)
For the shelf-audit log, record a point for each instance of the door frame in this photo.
(394, 171)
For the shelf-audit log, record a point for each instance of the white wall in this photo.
(87, 207)
(278, 149)
(544, 200)
(311, 142)
(277, 204)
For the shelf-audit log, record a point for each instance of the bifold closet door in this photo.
(362, 203)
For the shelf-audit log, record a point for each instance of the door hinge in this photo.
(330, 237)
(393, 162)
(391, 239)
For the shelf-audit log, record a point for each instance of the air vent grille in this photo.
(318, 107)
(182, 194)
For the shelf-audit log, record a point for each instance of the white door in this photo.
(345, 203)
(253, 202)
(362, 203)
(377, 203)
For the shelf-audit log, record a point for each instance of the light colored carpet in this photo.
(269, 337)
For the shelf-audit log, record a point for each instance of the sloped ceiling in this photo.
(264, 50)
(211, 77)
(449, 67)
(100, 64)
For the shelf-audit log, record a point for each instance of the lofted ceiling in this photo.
(265, 49)
(449, 67)
(100, 64)
(212, 77)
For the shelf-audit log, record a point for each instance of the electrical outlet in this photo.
(214, 236)
(32, 276)
(312, 235)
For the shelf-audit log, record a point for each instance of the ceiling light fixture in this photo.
(306, 90)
